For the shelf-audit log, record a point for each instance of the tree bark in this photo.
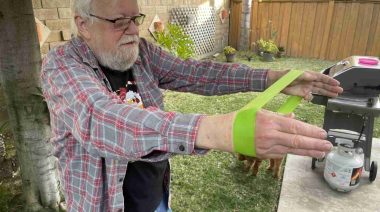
(20, 64)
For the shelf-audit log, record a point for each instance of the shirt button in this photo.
(181, 148)
(121, 180)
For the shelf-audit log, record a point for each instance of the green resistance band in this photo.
(245, 121)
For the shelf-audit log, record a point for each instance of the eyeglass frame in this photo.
(133, 18)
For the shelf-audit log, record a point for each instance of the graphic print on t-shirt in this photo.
(129, 94)
(124, 85)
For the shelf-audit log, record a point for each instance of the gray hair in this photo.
(81, 8)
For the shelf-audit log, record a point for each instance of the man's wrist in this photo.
(274, 75)
(269, 79)
(215, 132)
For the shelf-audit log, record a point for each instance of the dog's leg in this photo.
(277, 168)
(246, 160)
(271, 165)
(256, 166)
(241, 157)
(247, 165)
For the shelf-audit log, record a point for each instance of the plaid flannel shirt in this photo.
(89, 121)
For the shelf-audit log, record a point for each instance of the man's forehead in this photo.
(115, 6)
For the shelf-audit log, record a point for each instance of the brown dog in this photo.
(254, 164)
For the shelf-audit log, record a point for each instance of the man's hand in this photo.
(277, 135)
(307, 84)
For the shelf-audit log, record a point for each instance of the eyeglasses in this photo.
(121, 24)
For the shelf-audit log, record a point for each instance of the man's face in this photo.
(114, 48)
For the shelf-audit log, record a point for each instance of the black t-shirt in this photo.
(143, 184)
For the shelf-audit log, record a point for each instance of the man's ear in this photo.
(82, 26)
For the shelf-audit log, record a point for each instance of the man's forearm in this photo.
(215, 132)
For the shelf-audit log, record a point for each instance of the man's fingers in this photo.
(310, 153)
(279, 151)
(277, 135)
(295, 141)
(308, 97)
(326, 90)
(319, 77)
(328, 87)
(292, 126)
(322, 84)
(327, 79)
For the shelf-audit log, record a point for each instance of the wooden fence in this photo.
(321, 29)
(235, 19)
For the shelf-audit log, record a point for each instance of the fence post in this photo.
(254, 20)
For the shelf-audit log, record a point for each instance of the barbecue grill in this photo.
(351, 115)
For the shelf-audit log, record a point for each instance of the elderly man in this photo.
(109, 130)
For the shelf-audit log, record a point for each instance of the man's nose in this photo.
(132, 29)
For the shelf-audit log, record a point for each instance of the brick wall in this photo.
(56, 15)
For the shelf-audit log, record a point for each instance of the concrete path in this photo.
(304, 189)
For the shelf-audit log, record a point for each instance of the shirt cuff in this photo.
(258, 79)
(182, 134)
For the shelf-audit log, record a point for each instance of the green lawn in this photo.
(217, 182)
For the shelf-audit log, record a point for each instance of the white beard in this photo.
(121, 58)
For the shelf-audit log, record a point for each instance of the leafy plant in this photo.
(247, 54)
(267, 46)
(229, 50)
(281, 52)
(176, 41)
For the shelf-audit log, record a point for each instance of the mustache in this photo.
(128, 39)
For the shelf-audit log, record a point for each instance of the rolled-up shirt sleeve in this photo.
(82, 107)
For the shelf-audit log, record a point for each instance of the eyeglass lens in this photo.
(123, 24)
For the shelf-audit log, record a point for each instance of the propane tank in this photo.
(344, 166)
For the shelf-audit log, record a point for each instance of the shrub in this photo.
(176, 41)
(248, 54)
(229, 50)
(267, 46)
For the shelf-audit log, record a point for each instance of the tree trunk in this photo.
(20, 63)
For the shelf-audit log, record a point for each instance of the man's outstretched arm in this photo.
(275, 135)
